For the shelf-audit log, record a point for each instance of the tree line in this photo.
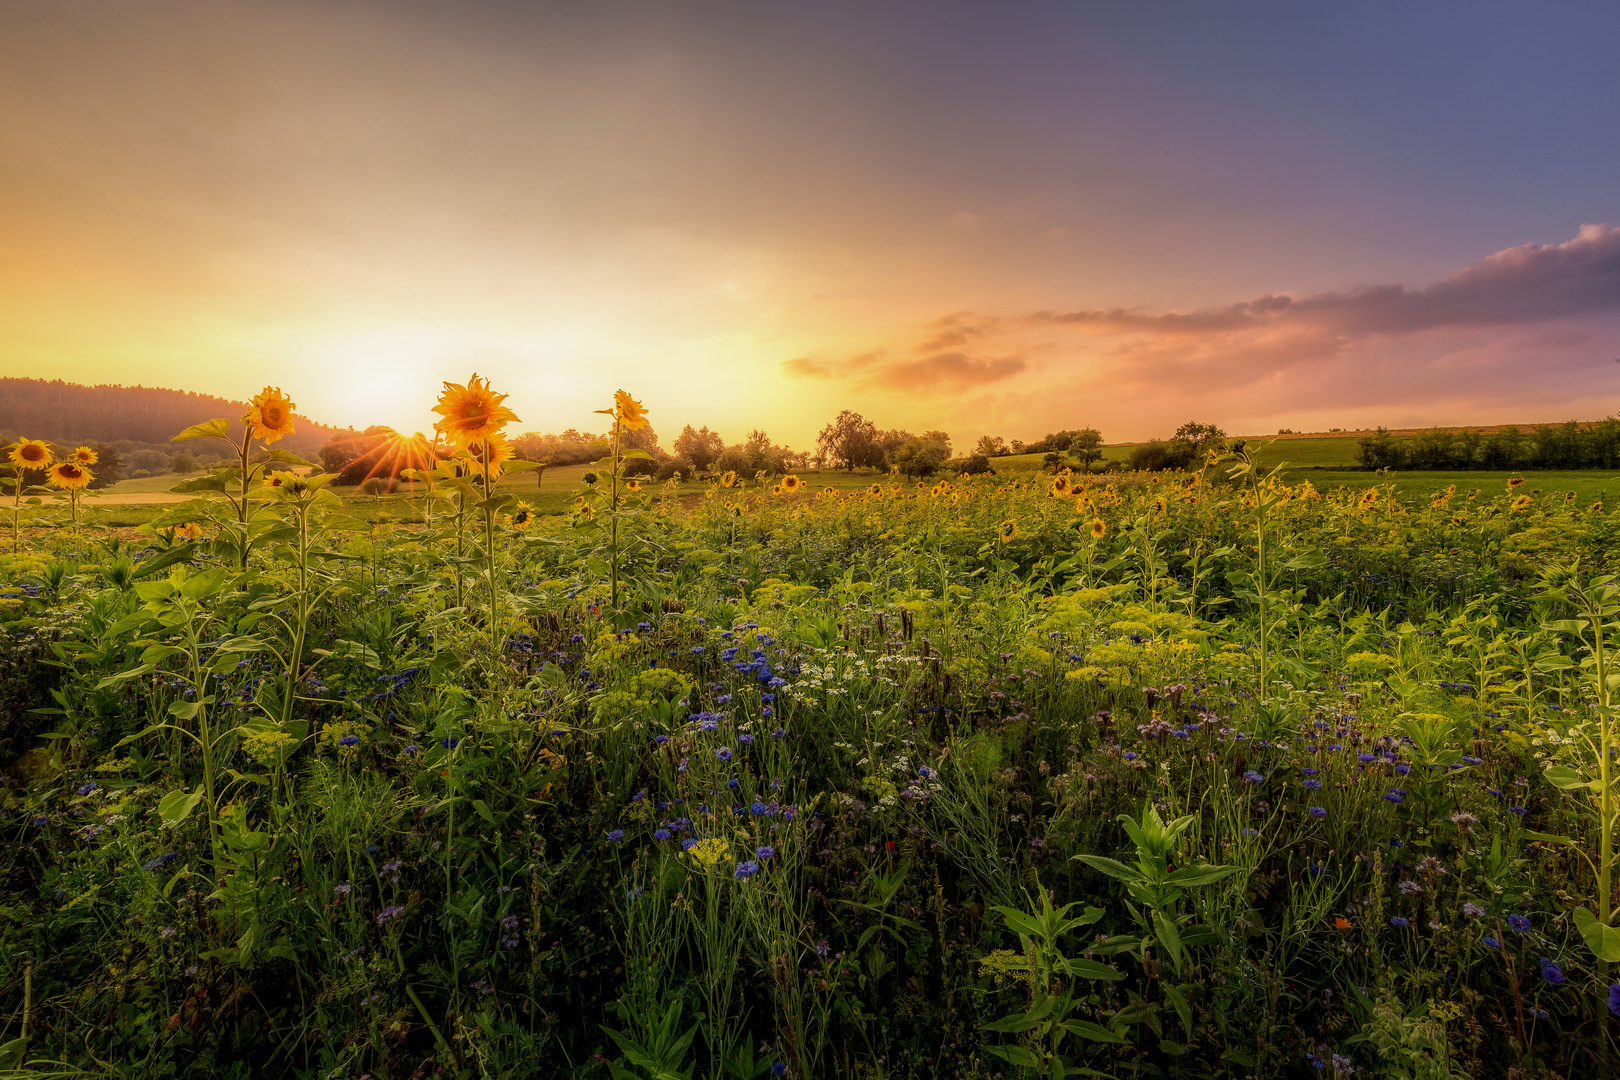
(1571, 445)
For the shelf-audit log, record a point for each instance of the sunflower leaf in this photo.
(208, 429)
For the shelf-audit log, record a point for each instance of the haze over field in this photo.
(1003, 219)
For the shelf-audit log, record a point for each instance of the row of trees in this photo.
(851, 442)
(1570, 445)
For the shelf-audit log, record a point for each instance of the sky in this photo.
(1007, 218)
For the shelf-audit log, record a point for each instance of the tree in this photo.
(1198, 438)
(1379, 451)
(700, 447)
(1087, 446)
(991, 446)
(109, 466)
(851, 441)
(183, 463)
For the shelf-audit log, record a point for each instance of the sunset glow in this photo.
(997, 219)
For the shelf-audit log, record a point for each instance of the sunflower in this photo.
(729, 479)
(85, 456)
(31, 454)
(1595, 508)
(522, 516)
(1569, 496)
(1060, 485)
(472, 413)
(495, 449)
(776, 489)
(1517, 481)
(69, 476)
(632, 485)
(1007, 531)
(1521, 502)
(628, 412)
(1456, 519)
(791, 484)
(875, 489)
(1098, 529)
(189, 530)
(1370, 499)
(271, 415)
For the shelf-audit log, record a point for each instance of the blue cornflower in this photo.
(1396, 920)
(660, 835)
(1552, 972)
(759, 808)
(1318, 811)
(348, 740)
(1614, 998)
(1253, 777)
(745, 870)
(687, 844)
(779, 1068)
(615, 836)
(1490, 942)
(1313, 785)
(1394, 795)
(1519, 923)
(724, 753)
(766, 853)
(745, 738)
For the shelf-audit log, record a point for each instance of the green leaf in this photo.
(1094, 1032)
(1016, 1054)
(1179, 1000)
(1311, 560)
(214, 429)
(176, 805)
(1603, 940)
(1546, 838)
(1090, 969)
(483, 810)
(1192, 876)
(1170, 934)
(1110, 867)
(1565, 777)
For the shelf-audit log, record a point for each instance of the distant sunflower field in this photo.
(1198, 774)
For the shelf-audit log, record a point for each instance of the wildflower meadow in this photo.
(1191, 774)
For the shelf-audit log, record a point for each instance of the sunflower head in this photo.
(729, 479)
(31, 454)
(1569, 496)
(1007, 531)
(791, 484)
(1456, 519)
(1369, 499)
(522, 516)
(1060, 485)
(493, 451)
(628, 412)
(632, 485)
(85, 456)
(776, 489)
(875, 489)
(1516, 482)
(1098, 529)
(188, 531)
(1520, 503)
(270, 414)
(69, 476)
(472, 413)
(1596, 507)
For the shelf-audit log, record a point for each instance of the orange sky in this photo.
(978, 220)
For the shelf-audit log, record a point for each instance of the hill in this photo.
(69, 413)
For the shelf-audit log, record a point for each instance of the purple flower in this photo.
(745, 870)
(389, 913)
(660, 835)
(1519, 923)
(1614, 998)
(1473, 910)
(1552, 972)
(1519, 810)
(660, 740)
(342, 888)
(924, 771)
(823, 949)
(759, 808)
(88, 788)
(1313, 785)
(688, 843)
(615, 836)
(745, 738)
(1130, 755)
(1253, 777)
(1490, 942)
(779, 1068)
(780, 732)
(1318, 811)
(1397, 921)
(1395, 795)
(348, 740)
(766, 853)
(724, 753)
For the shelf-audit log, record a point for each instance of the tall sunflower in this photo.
(271, 414)
(472, 413)
(628, 412)
(85, 456)
(1098, 529)
(31, 454)
(729, 479)
(791, 484)
(1007, 531)
(69, 476)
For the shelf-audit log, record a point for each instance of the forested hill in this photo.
(64, 412)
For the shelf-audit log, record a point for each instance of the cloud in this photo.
(1510, 332)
